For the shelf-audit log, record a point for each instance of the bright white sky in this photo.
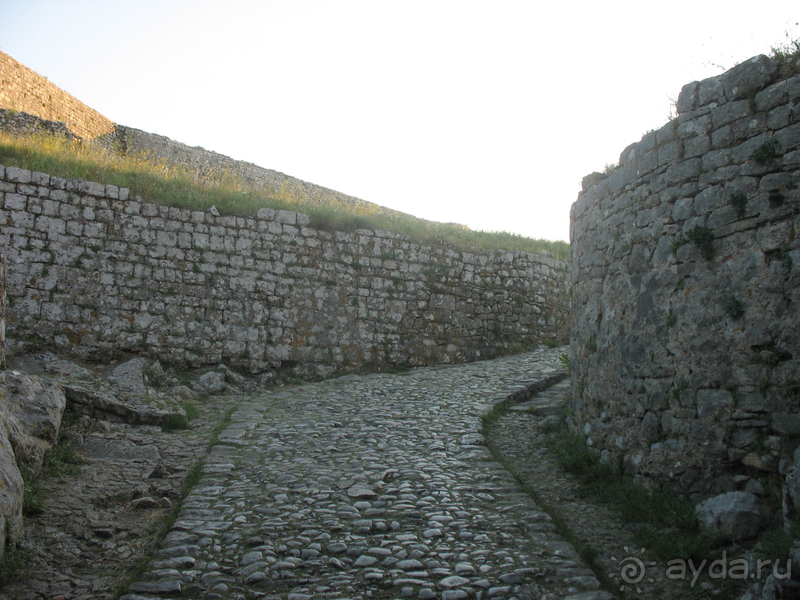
(484, 113)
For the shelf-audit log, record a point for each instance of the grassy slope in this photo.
(156, 182)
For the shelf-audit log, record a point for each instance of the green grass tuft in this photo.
(174, 422)
(703, 238)
(192, 412)
(15, 566)
(61, 461)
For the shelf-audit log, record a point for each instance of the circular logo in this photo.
(631, 569)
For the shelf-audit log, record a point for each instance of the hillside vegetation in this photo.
(157, 182)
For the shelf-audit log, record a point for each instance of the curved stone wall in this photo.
(685, 326)
(93, 271)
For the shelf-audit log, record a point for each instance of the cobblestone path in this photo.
(369, 487)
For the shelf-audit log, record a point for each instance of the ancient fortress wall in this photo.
(685, 324)
(23, 90)
(93, 271)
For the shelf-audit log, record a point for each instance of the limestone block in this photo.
(11, 489)
(15, 201)
(286, 216)
(749, 77)
(33, 410)
(710, 90)
(713, 403)
(266, 214)
(129, 376)
(18, 175)
(688, 98)
(734, 515)
(212, 382)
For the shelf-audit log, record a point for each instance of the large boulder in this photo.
(11, 489)
(128, 378)
(32, 411)
(30, 417)
(733, 516)
(212, 382)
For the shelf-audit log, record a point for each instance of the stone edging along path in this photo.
(378, 486)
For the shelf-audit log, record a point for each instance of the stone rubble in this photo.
(97, 524)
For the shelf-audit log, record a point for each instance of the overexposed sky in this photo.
(483, 113)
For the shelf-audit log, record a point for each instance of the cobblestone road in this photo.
(369, 487)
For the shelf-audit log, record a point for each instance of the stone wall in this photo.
(685, 330)
(94, 271)
(24, 90)
(25, 123)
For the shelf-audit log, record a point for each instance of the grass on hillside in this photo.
(157, 182)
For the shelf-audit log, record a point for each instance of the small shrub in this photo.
(734, 308)
(671, 319)
(739, 203)
(192, 412)
(791, 386)
(766, 152)
(174, 422)
(785, 258)
(767, 357)
(573, 455)
(787, 57)
(61, 461)
(32, 494)
(679, 389)
(591, 346)
(703, 238)
(564, 360)
(153, 376)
